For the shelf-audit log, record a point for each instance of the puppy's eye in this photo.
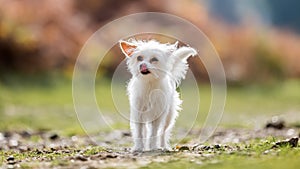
(154, 59)
(139, 58)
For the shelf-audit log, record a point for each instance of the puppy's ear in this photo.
(179, 64)
(184, 52)
(127, 48)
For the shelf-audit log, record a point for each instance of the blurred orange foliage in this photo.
(47, 35)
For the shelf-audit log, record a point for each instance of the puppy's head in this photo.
(147, 59)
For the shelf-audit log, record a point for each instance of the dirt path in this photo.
(44, 149)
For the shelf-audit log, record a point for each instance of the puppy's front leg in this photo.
(153, 140)
(137, 135)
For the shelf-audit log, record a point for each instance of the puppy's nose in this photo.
(143, 67)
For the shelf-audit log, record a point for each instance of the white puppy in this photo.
(157, 70)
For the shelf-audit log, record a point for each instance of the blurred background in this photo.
(258, 42)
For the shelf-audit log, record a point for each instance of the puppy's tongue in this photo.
(144, 68)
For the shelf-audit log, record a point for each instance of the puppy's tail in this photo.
(179, 64)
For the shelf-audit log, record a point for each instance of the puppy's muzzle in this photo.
(144, 69)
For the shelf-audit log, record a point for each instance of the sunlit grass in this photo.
(39, 106)
(257, 154)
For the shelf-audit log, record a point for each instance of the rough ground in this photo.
(45, 149)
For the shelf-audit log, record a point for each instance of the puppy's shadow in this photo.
(158, 152)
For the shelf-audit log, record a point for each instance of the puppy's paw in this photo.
(156, 149)
(166, 148)
(137, 150)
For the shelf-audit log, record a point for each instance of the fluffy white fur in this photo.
(157, 70)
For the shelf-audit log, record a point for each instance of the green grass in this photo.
(49, 105)
(33, 106)
(254, 154)
(253, 105)
(47, 154)
(290, 161)
(275, 98)
(258, 154)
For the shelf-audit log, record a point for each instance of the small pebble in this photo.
(13, 143)
(10, 158)
(293, 142)
(126, 134)
(54, 137)
(290, 132)
(1, 137)
(111, 156)
(11, 162)
(81, 158)
(108, 142)
(205, 147)
(23, 148)
(217, 146)
(7, 134)
(74, 138)
(201, 147)
(276, 123)
(10, 166)
(182, 148)
(25, 134)
(38, 151)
